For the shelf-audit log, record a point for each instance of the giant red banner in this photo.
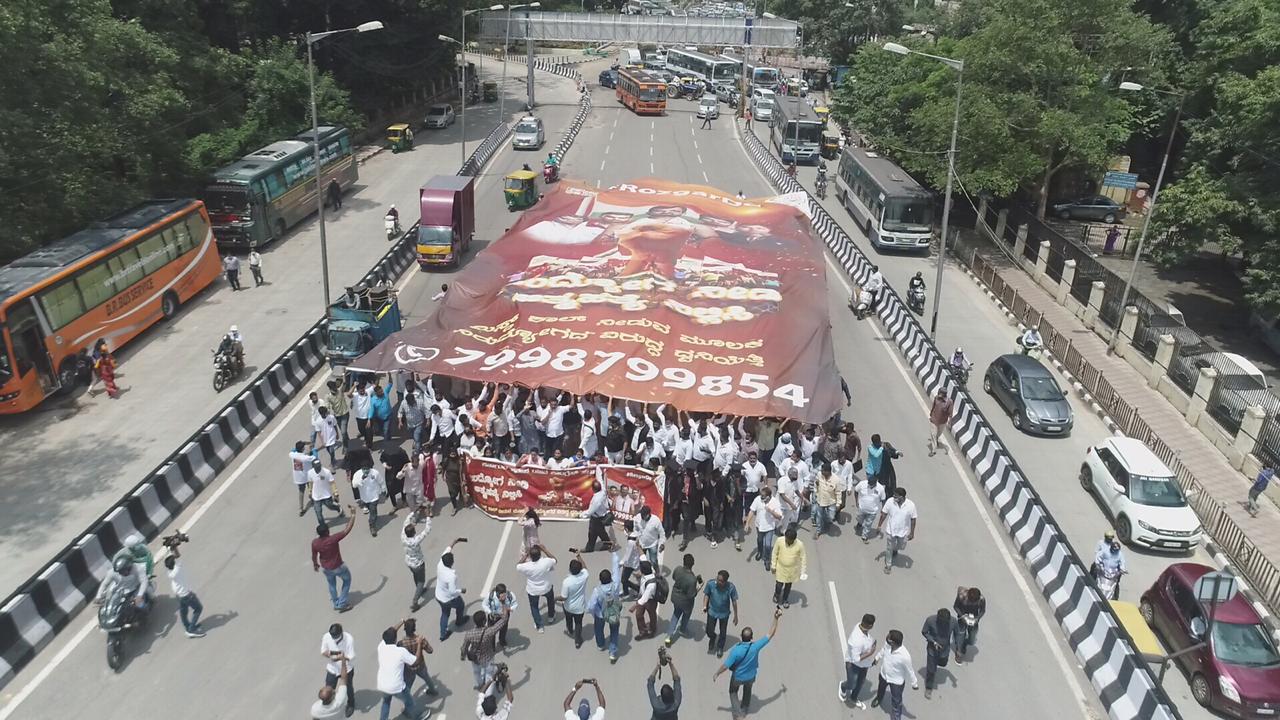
(649, 291)
(505, 490)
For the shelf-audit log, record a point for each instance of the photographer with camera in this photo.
(665, 702)
(487, 706)
(189, 607)
(584, 711)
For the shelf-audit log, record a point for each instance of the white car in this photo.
(528, 134)
(1141, 495)
(709, 107)
(439, 116)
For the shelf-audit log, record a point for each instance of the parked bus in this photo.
(758, 76)
(642, 91)
(708, 68)
(259, 197)
(893, 209)
(796, 130)
(111, 280)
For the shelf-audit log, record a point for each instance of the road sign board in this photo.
(1117, 179)
(1216, 587)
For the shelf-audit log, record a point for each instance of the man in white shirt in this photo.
(393, 660)
(361, 407)
(538, 584)
(754, 476)
(300, 462)
(895, 670)
(189, 607)
(416, 526)
(553, 418)
(368, 484)
(584, 711)
(682, 449)
(487, 705)
(765, 514)
(322, 492)
(789, 497)
(597, 528)
(809, 444)
(339, 651)
(330, 704)
(651, 535)
(859, 656)
(448, 594)
(870, 498)
(898, 519)
(843, 469)
(558, 461)
(704, 449)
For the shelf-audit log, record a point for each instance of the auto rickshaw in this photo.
(830, 146)
(823, 112)
(399, 137)
(521, 189)
(490, 91)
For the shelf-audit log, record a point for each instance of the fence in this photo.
(1230, 401)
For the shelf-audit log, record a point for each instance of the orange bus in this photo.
(642, 91)
(111, 280)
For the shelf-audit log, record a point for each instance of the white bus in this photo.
(891, 207)
(757, 76)
(691, 63)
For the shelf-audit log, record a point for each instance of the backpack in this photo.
(612, 611)
(661, 591)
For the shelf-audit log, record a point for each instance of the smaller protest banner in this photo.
(505, 490)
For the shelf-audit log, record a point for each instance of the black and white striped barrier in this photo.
(1124, 682)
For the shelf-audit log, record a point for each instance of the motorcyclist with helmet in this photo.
(1030, 340)
(960, 365)
(133, 563)
(916, 282)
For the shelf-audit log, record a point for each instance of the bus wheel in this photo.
(277, 230)
(169, 305)
(69, 374)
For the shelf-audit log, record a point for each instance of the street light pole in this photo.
(1151, 210)
(502, 96)
(462, 72)
(312, 39)
(958, 66)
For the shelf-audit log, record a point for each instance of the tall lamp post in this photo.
(1151, 209)
(312, 39)
(958, 66)
(462, 71)
(502, 96)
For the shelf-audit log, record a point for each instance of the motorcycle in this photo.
(392, 225)
(820, 186)
(915, 300)
(225, 369)
(1108, 582)
(961, 374)
(550, 173)
(117, 615)
(1032, 351)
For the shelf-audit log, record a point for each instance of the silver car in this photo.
(528, 134)
(439, 116)
(1029, 393)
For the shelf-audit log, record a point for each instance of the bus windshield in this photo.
(227, 201)
(438, 236)
(765, 77)
(651, 94)
(908, 214)
(810, 133)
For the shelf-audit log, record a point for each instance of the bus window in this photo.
(908, 214)
(178, 237)
(62, 304)
(126, 267)
(227, 201)
(96, 285)
(155, 255)
(275, 185)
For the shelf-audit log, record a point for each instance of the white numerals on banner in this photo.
(569, 360)
(534, 358)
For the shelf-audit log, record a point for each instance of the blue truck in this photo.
(356, 329)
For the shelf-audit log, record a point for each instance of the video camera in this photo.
(174, 540)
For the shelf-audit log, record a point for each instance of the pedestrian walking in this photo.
(599, 518)
(537, 572)
(664, 703)
(646, 607)
(651, 535)
(394, 459)
(410, 481)
(104, 368)
(368, 487)
(880, 457)
(379, 414)
(584, 711)
(339, 650)
(684, 590)
(605, 607)
(895, 670)
(969, 608)
(706, 121)
(413, 418)
(326, 555)
(323, 493)
(743, 664)
(448, 593)
(393, 661)
(790, 565)
(573, 593)
(898, 521)
(300, 462)
(362, 408)
(255, 265)
(939, 418)
(340, 407)
(530, 524)
(631, 556)
(496, 603)
(1259, 486)
(937, 631)
(332, 697)
(410, 642)
(189, 606)
(416, 526)
(453, 480)
(826, 497)
(231, 268)
(765, 515)
(869, 495)
(479, 643)
(719, 597)
(859, 656)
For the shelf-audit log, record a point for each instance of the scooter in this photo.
(915, 300)
(961, 374)
(392, 225)
(820, 185)
(1031, 352)
(225, 369)
(550, 173)
(1108, 582)
(117, 615)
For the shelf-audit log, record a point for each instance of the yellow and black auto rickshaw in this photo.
(399, 137)
(830, 146)
(521, 189)
(490, 91)
(823, 112)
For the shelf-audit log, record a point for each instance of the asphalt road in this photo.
(67, 461)
(266, 610)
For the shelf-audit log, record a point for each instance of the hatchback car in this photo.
(439, 116)
(1092, 207)
(709, 107)
(528, 134)
(1237, 669)
(608, 78)
(1029, 393)
(1140, 494)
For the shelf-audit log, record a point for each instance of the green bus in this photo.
(257, 198)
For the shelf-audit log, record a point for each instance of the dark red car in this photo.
(1238, 671)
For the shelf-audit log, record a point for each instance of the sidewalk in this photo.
(1217, 490)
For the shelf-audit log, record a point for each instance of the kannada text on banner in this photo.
(505, 490)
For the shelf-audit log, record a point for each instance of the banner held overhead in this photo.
(650, 291)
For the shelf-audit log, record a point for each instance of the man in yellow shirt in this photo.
(827, 496)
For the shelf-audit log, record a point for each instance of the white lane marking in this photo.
(650, 151)
(615, 121)
(606, 149)
(650, 137)
(497, 560)
(610, 136)
(651, 122)
(650, 168)
(1032, 598)
(695, 146)
(597, 184)
(699, 158)
(602, 165)
(705, 179)
(835, 607)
